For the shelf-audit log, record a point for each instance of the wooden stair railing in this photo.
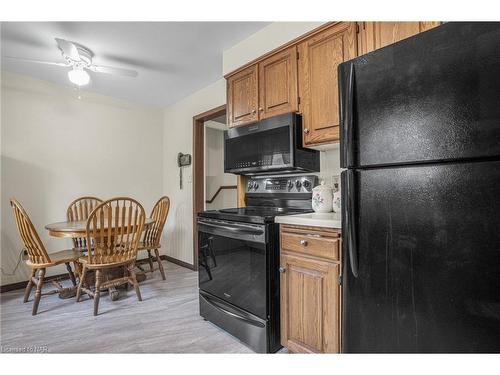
(224, 187)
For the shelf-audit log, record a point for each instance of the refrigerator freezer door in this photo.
(428, 259)
(431, 97)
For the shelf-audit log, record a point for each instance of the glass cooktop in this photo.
(255, 214)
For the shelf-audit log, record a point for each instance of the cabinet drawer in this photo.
(311, 242)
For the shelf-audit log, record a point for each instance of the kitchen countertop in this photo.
(314, 219)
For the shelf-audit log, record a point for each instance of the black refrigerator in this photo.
(420, 142)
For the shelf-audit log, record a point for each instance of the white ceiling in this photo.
(174, 59)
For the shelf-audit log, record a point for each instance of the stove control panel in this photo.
(275, 184)
(284, 184)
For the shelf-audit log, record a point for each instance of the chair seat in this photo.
(106, 262)
(148, 246)
(59, 257)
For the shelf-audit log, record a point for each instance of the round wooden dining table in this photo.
(78, 229)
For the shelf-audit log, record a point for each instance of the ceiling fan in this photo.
(79, 58)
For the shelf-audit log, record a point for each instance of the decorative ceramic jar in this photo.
(337, 198)
(322, 196)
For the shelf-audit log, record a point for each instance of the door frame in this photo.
(199, 168)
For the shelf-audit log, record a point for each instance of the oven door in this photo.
(232, 263)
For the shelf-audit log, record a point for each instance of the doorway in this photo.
(220, 187)
(212, 188)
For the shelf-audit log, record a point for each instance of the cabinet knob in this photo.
(261, 109)
(253, 111)
(306, 131)
(282, 270)
(303, 242)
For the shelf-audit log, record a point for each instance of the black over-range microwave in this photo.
(273, 145)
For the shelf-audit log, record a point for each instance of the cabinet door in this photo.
(374, 35)
(310, 297)
(319, 57)
(242, 94)
(278, 84)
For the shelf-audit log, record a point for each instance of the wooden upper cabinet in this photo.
(319, 57)
(374, 35)
(278, 84)
(310, 305)
(242, 97)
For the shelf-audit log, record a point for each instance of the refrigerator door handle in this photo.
(351, 221)
(346, 89)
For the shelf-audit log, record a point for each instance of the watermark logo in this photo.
(24, 349)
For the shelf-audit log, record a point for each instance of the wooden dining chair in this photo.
(38, 258)
(152, 236)
(114, 228)
(79, 210)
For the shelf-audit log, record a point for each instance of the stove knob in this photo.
(250, 185)
(298, 184)
(307, 184)
(289, 184)
(255, 186)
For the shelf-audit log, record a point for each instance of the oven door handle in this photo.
(235, 228)
(219, 307)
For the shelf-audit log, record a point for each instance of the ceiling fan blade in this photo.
(113, 70)
(35, 61)
(68, 48)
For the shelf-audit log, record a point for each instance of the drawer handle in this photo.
(303, 242)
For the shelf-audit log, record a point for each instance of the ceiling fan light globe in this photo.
(79, 77)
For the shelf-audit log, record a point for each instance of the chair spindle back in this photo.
(114, 228)
(152, 236)
(29, 236)
(80, 209)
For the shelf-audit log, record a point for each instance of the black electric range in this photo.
(238, 259)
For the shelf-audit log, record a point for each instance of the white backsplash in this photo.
(330, 166)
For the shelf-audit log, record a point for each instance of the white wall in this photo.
(178, 137)
(214, 171)
(56, 147)
(330, 166)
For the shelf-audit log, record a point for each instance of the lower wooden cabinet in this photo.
(310, 298)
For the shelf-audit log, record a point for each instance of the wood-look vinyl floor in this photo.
(166, 321)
